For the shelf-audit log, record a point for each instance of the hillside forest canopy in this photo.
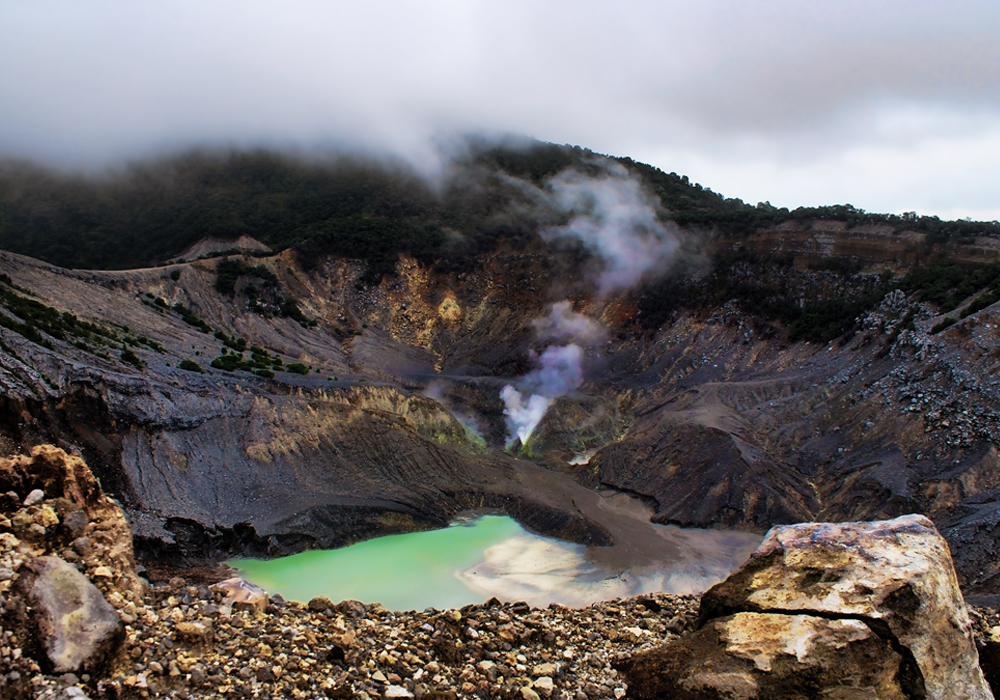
(349, 206)
(369, 209)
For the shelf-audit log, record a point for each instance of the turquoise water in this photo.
(469, 562)
(403, 572)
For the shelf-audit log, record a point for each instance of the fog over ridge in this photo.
(770, 99)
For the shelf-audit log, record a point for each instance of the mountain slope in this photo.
(267, 403)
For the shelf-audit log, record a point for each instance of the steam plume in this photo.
(616, 218)
(613, 216)
(563, 323)
(561, 371)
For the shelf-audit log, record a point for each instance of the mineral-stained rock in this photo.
(754, 655)
(817, 600)
(54, 472)
(69, 617)
(76, 500)
(896, 574)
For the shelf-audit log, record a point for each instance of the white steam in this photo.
(563, 323)
(561, 372)
(616, 218)
(523, 416)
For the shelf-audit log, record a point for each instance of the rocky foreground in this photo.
(184, 639)
(198, 638)
(184, 643)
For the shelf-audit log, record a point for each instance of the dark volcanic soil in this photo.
(711, 420)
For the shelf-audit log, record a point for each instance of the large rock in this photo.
(753, 655)
(67, 617)
(891, 580)
(74, 495)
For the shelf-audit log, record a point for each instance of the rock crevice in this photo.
(872, 609)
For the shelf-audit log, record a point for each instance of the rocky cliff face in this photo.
(398, 423)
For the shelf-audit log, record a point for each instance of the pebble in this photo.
(34, 498)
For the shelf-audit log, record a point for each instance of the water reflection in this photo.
(494, 556)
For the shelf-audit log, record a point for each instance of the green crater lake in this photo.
(403, 572)
(492, 555)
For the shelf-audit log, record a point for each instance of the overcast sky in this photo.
(889, 105)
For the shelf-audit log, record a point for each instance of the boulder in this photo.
(754, 655)
(893, 578)
(73, 500)
(67, 617)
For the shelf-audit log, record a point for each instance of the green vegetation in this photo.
(231, 269)
(981, 302)
(131, 358)
(947, 283)
(768, 290)
(266, 301)
(136, 341)
(261, 362)
(948, 322)
(350, 207)
(232, 342)
(298, 368)
(822, 321)
(190, 318)
(231, 363)
(191, 366)
(31, 318)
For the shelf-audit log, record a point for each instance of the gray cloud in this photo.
(782, 90)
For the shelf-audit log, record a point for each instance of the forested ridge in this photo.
(362, 208)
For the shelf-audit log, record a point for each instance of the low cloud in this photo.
(690, 87)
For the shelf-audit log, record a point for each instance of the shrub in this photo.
(191, 319)
(228, 271)
(948, 322)
(191, 366)
(131, 358)
(231, 363)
